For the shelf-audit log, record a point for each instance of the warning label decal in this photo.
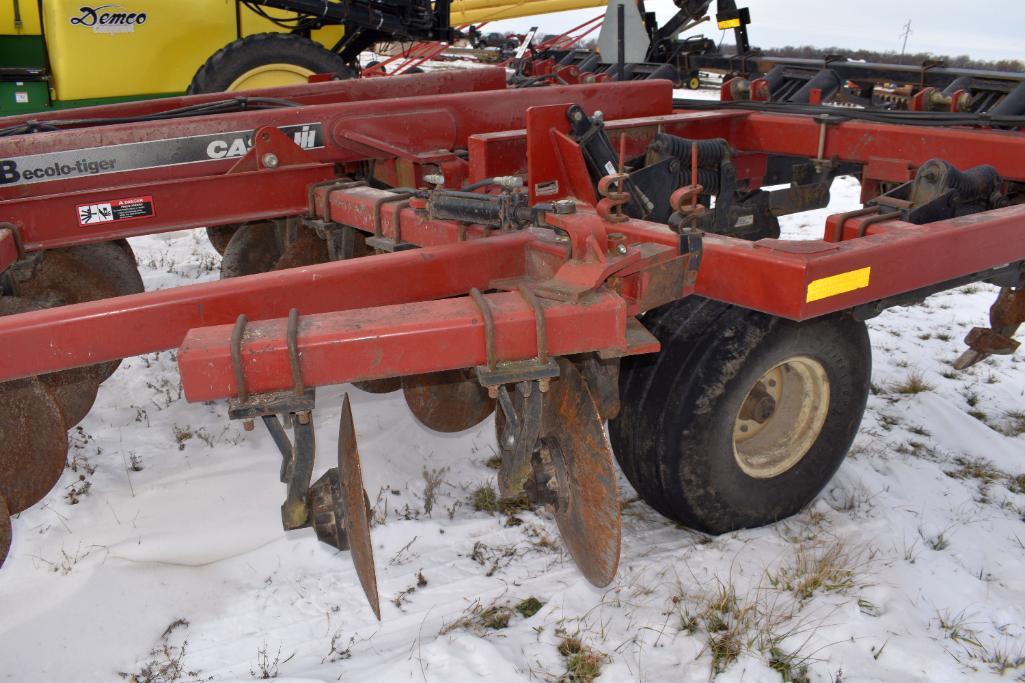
(115, 210)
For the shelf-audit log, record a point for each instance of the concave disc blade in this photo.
(354, 500)
(75, 392)
(33, 443)
(220, 236)
(450, 401)
(252, 249)
(5, 531)
(306, 250)
(379, 386)
(588, 509)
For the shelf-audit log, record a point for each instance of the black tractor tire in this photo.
(261, 49)
(693, 81)
(675, 437)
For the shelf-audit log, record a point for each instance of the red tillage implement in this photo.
(554, 253)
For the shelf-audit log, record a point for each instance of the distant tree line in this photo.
(914, 58)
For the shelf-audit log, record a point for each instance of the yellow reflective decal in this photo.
(833, 285)
(729, 23)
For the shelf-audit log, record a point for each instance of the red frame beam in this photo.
(326, 92)
(406, 339)
(177, 205)
(780, 276)
(861, 142)
(98, 331)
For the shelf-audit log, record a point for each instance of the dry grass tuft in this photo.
(914, 383)
(167, 661)
(480, 620)
(982, 470)
(768, 620)
(986, 473)
(528, 607)
(831, 569)
(583, 663)
(485, 499)
(1016, 423)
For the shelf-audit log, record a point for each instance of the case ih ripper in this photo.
(480, 249)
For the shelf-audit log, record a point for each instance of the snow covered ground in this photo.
(160, 556)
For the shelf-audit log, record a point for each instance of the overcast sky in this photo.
(984, 29)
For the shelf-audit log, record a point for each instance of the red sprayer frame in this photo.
(574, 284)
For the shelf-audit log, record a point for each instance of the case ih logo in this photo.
(306, 137)
(100, 20)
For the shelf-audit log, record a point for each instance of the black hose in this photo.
(904, 118)
(976, 183)
(206, 108)
(477, 185)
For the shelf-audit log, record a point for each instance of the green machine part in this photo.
(24, 79)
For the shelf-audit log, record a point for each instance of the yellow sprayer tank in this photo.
(137, 48)
(141, 47)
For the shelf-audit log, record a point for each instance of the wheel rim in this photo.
(271, 76)
(781, 417)
(695, 83)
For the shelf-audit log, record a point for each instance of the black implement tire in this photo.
(248, 54)
(675, 436)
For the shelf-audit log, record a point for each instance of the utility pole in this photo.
(906, 34)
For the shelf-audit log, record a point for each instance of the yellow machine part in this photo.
(479, 11)
(142, 47)
(153, 47)
(28, 11)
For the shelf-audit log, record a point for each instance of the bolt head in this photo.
(270, 160)
(620, 248)
(765, 409)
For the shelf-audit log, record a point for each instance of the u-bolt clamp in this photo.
(614, 197)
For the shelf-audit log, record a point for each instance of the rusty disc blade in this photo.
(5, 531)
(306, 250)
(379, 386)
(354, 498)
(450, 401)
(220, 236)
(587, 510)
(74, 390)
(253, 248)
(33, 443)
